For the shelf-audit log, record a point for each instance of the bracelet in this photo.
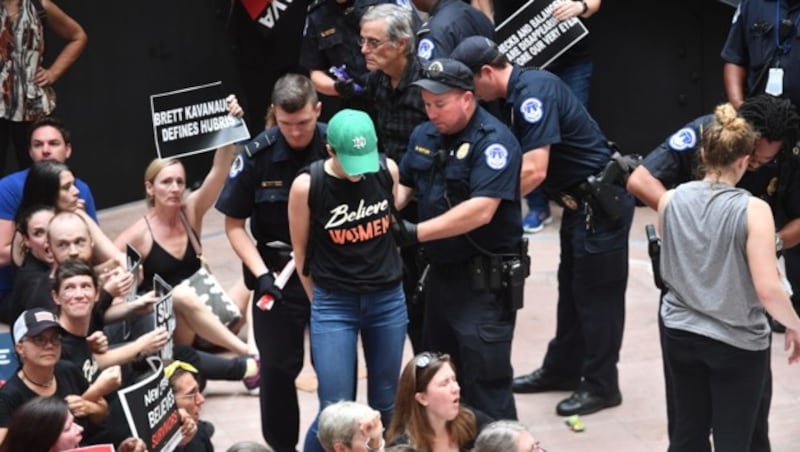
(585, 8)
(378, 449)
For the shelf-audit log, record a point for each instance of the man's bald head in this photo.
(69, 237)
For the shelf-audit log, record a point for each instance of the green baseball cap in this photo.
(351, 134)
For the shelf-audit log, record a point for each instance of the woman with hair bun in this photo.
(719, 267)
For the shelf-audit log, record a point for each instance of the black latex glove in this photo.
(266, 285)
(405, 233)
(345, 88)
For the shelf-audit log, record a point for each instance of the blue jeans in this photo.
(336, 319)
(578, 77)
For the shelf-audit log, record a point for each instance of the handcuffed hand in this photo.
(266, 285)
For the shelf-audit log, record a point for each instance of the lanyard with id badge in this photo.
(783, 31)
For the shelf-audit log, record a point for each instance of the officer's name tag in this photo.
(775, 81)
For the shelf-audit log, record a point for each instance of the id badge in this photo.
(775, 81)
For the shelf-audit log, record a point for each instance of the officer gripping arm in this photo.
(462, 218)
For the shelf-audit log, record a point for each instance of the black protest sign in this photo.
(151, 411)
(194, 120)
(533, 37)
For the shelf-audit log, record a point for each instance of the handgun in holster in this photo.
(515, 271)
(604, 187)
(654, 250)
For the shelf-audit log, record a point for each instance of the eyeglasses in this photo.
(371, 43)
(41, 340)
(191, 395)
(175, 365)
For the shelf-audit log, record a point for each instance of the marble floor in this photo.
(639, 424)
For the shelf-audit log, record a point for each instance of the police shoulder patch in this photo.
(237, 166)
(496, 156)
(684, 139)
(425, 48)
(532, 110)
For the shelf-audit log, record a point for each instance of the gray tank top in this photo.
(704, 266)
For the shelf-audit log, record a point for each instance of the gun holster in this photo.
(654, 250)
(604, 187)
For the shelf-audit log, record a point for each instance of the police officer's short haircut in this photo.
(399, 23)
(499, 436)
(293, 92)
(49, 121)
(774, 118)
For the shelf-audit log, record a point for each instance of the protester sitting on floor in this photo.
(350, 426)
(48, 140)
(506, 436)
(428, 414)
(42, 424)
(190, 400)
(69, 239)
(37, 338)
(165, 237)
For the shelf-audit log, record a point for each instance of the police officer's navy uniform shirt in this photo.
(544, 111)
(676, 161)
(483, 160)
(752, 41)
(331, 38)
(451, 22)
(258, 185)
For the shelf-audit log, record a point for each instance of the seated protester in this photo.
(506, 436)
(49, 140)
(68, 238)
(74, 291)
(166, 234)
(249, 446)
(350, 426)
(31, 287)
(427, 414)
(42, 424)
(197, 433)
(37, 339)
(53, 184)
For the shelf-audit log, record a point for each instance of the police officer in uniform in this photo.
(463, 165)
(331, 39)
(565, 152)
(762, 53)
(258, 188)
(450, 22)
(772, 176)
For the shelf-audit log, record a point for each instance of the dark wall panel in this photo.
(135, 49)
(657, 66)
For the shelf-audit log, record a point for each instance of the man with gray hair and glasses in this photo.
(387, 42)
